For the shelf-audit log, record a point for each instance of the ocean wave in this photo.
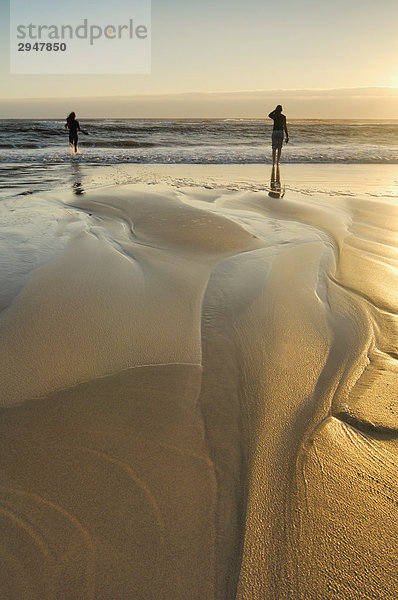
(22, 146)
(199, 141)
(117, 144)
(164, 158)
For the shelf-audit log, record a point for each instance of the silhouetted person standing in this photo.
(280, 127)
(73, 125)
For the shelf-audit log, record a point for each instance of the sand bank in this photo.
(199, 397)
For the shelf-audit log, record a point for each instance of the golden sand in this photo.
(199, 401)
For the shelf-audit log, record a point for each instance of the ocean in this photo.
(199, 141)
(35, 155)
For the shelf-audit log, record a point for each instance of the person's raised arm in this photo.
(286, 132)
(272, 114)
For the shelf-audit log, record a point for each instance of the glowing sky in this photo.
(230, 45)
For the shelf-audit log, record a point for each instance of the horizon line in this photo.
(266, 119)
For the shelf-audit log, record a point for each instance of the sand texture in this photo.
(199, 399)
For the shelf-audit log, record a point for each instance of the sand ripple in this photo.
(199, 400)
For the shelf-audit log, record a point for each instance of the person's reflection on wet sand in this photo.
(276, 189)
(77, 186)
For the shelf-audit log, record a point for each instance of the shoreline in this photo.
(309, 179)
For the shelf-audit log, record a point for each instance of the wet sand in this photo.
(198, 395)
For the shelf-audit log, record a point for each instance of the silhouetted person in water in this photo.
(73, 125)
(277, 134)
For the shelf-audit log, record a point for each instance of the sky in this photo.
(234, 46)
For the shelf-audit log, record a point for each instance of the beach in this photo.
(199, 382)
